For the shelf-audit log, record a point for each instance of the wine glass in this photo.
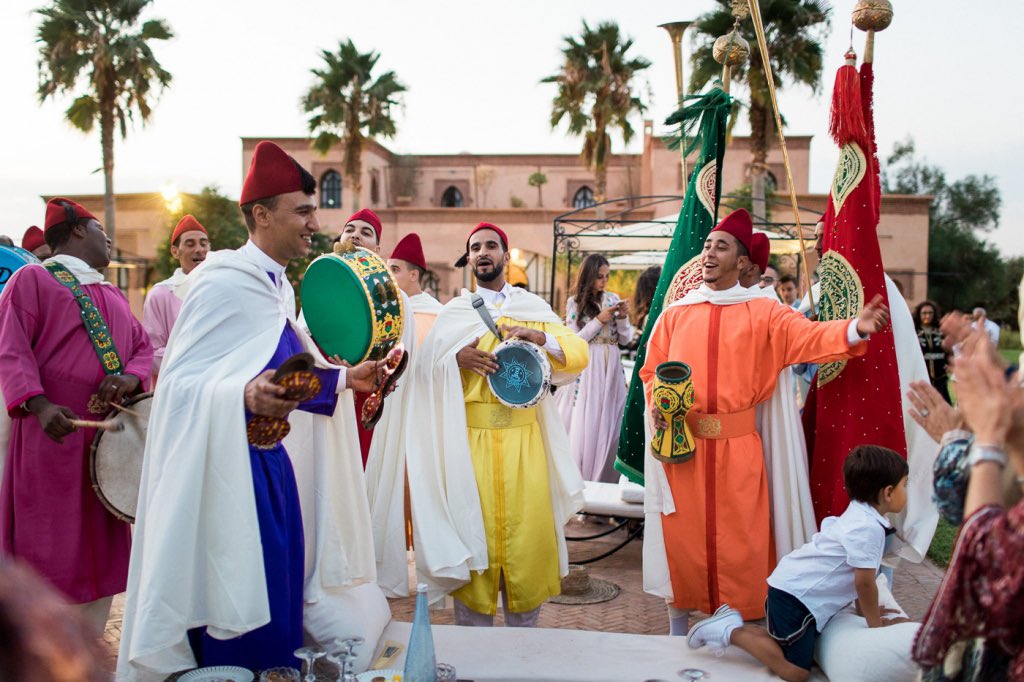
(343, 657)
(309, 654)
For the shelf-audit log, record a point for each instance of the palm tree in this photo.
(97, 51)
(348, 105)
(794, 32)
(595, 93)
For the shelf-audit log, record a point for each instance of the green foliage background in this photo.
(223, 221)
(964, 269)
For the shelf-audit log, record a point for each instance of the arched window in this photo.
(330, 189)
(374, 189)
(452, 198)
(583, 198)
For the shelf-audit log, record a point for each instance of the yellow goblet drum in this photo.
(673, 397)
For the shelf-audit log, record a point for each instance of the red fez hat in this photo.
(60, 210)
(739, 225)
(32, 239)
(760, 248)
(272, 172)
(488, 226)
(366, 215)
(464, 259)
(410, 250)
(188, 223)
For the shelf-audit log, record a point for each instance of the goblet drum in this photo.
(672, 395)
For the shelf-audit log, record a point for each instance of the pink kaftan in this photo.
(159, 313)
(49, 515)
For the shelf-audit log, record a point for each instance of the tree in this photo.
(595, 93)
(538, 180)
(223, 222)
(794, 32)
(348, 106)
(214, 211)
(97, 51)
(963, 268)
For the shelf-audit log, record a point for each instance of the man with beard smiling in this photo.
(189, 245)
(69, 347)
(710, 543)
(220, 570)
(509, 480)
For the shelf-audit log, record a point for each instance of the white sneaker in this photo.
(711, 631)
(724, 608)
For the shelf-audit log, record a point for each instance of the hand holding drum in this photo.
(475, 360)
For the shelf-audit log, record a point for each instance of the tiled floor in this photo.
(632, 610)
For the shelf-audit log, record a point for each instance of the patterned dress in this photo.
(973, 629)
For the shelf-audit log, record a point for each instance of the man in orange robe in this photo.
(714, 544)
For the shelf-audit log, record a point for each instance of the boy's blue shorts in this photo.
(792, 626)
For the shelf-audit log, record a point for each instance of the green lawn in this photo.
(942, 544)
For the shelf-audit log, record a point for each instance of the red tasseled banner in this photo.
(846, 123)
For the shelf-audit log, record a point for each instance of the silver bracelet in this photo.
(985, 452)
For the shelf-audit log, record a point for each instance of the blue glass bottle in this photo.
(420, 662)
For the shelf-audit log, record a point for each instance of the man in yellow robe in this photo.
(492, 487)
(709, 541)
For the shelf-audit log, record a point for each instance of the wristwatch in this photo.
(986, 453)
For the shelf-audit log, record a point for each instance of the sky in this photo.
(473, 70)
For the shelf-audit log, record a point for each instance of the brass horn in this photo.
(676, 29)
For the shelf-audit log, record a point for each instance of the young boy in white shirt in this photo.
(813, 583)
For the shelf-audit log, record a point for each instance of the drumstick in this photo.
(108, 425)
(124, 409)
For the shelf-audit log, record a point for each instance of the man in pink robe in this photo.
(50, 373)
(189, 245)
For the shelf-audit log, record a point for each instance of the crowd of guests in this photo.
(973, 630)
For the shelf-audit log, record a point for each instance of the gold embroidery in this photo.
(709, 427)
(842, 298)
(686, 279)
(707, 179)
(850, 170)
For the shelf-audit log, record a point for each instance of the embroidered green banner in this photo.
(99, 334)
(708, 115)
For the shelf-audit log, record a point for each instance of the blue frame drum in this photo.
(524, 374)
(13, 258)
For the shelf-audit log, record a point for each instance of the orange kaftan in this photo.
(718, 540)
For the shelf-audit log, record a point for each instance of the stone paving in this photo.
(632, 610)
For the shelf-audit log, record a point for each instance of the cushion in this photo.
(847, 649)
(359, 611)
(631, 492)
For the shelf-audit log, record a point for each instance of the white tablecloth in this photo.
(513, 654)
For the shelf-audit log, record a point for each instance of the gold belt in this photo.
(497, 416)
(722, 424)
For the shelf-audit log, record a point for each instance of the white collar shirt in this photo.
(821, 573)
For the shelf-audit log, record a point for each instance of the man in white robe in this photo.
(409, 268)
(199, 569)
(386, 485)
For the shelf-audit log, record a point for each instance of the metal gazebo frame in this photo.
(592, 223)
